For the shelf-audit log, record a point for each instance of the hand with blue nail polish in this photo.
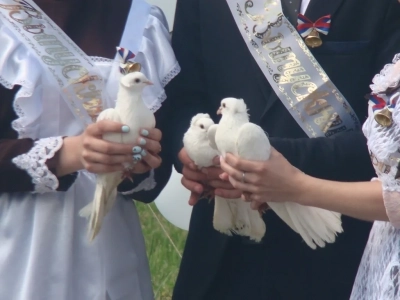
(91, 152)
(150, 147)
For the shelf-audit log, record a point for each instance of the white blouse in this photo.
(378, 277)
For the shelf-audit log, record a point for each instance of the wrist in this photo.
(69, 156)
(306, 185)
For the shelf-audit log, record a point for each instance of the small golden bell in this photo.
(384, 117)
(313, 40)
(132, 67)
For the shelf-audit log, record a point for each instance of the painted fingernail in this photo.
(144, 132)
(136, 158)
(142, 141)
(125, 128)
(136, 149)
(143, 153)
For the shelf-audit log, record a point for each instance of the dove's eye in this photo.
(201, 126)
(137, 80)
(223, 105)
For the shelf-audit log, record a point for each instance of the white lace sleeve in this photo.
(146, 185)
(34, 162)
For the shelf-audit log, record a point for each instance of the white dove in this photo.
(131, 111)
(198, 148)
(235, 215)
(236, 135)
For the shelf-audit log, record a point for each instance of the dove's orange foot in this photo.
(127, 175)
(263, 208)
(208, 194)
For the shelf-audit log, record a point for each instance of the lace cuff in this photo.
(392, 205)
(146, 185)
(34, 163)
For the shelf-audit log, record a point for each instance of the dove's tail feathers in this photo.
(241, 218)
(258, 227)
(223, 216)
(98, 211)
(315, 225)
(101, 205)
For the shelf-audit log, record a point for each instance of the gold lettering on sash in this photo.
(56, 53)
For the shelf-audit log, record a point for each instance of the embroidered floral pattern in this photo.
(146, 185)
(34, 162)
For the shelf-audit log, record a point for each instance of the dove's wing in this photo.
(211, 132)
(112, 115)
(315, 225)
(253, 144)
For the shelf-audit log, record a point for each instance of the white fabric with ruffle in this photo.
(44, 249)
(378, 277)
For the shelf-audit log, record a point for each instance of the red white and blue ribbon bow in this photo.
(125, 55)
(305, 25)
(380, 104)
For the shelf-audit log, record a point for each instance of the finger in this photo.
(238, 175)
(194, 198)
(106, 126)
(244, 187)
(216, 161)
(219, 184)
(140, 168)
(242, 164)
(154, 134)
(212, 172)
(255, 205)
(229, 194)
(105, 147)
(97, 168)
(246, 197)
(224, 176)
(100, 158)
(193, 175)
(185, 159)
(150, 145)
(153, 161)
(192, 186)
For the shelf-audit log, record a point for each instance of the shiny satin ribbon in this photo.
(296, 77)
(379, 103)
(305, 26)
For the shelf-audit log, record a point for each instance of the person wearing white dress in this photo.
(49, 160)
(276, 180)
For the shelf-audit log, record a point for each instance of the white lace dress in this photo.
(44, 250)
(378, 276)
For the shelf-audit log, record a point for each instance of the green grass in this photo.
(163, 257)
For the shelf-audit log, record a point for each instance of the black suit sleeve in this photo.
(344, 157)
(187, 92)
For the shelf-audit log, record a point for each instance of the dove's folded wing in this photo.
(316, 226)
(252, 143)
(112, 115)
(211, 132)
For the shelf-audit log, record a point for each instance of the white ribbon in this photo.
(69, 68)
(293, 72)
